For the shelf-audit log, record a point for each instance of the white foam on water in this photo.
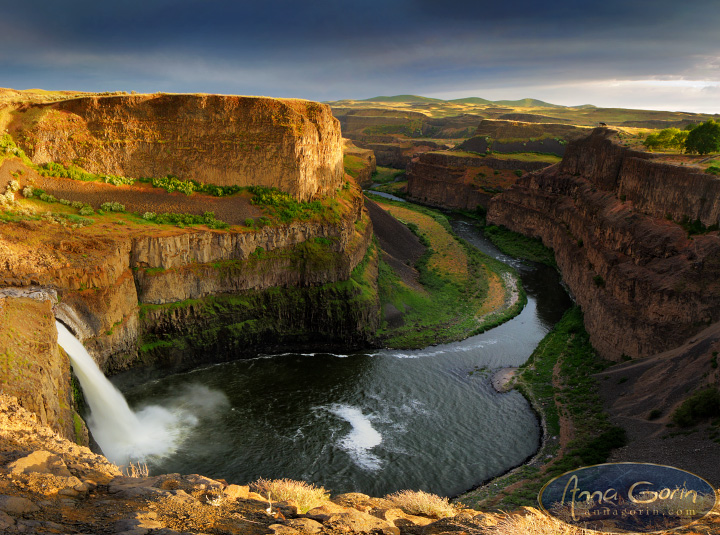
(362, 437)
(126, 436)
(430, 352)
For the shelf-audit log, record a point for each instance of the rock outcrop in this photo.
(644, 285)
(398, 154)
(461, 180)
(32, 366)
(294, 145)
(359, 163)
(117, 287)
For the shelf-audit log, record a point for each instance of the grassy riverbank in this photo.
(462, 291)
(519, 246)
(558, 380)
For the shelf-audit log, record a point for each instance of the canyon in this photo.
(166, 299)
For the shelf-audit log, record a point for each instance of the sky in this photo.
(648, 54)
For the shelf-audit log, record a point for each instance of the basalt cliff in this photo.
(293, 145)
(150, 296)
(611, 215)
(461, 180)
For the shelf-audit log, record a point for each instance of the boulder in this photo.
(43, 462)
(16, 505)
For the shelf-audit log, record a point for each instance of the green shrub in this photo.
(654, 414)
(86, 210)
(704, 138)
(599, 281)
(59, 170)
(118, 180)
(700, 405)
(713, 170)
(668, 138)
(112, 206)
(282, 205)
(183, 220)
(172, 183)
(519, 172)
(76, 204)
(149, 216)
(249, 222)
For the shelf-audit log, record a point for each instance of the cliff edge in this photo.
(293, 145)
(644, 284)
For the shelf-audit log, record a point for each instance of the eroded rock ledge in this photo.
(644, 285)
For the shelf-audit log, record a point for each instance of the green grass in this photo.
(413, 128)
(576, 398)
(448, 308)
(519, 246)
(383, 175)
(527, 157)
(701, 405)
(353, 164)
(713, 169)
(8, 149)
(74, 172)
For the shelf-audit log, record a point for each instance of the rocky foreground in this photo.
(48, 485)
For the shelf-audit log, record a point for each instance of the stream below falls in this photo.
(372, 422)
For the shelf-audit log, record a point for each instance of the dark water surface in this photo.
(373, 422)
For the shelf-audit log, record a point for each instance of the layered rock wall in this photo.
(359, 163)
(644, 285)
(458, 181)
(398, 155)
(294, 145)
(104, 279)
(32, 366)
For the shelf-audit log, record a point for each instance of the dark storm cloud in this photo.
(339, 49)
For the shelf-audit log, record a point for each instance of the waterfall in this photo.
(124, 436)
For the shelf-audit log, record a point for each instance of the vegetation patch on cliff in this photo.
(464, 292)
(558, 380)
(519, 246)
(383, 175)
(220, 327)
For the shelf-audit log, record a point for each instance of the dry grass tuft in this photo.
(534, 522)
(138, 469)
(304, 494)
(417, 502)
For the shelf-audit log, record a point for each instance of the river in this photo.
(372, 422)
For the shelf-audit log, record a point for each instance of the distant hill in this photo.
(470, 100)
(522, 103)
(403, 98)
(527, 103)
